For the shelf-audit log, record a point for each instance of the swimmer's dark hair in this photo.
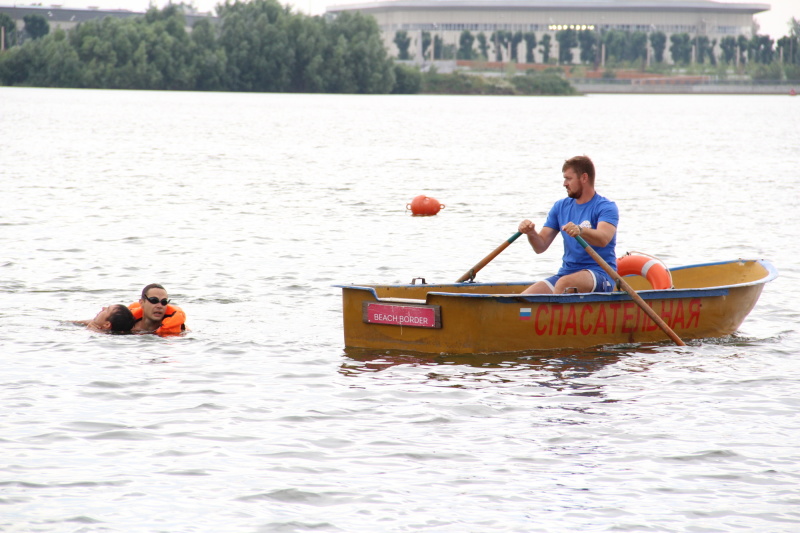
(121, 319)
(151, 286)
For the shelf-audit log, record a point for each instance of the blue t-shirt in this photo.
(588, 215)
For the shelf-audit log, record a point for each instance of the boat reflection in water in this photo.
(535, 373)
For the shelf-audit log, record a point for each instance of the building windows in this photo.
(576, 27)
(487, 27)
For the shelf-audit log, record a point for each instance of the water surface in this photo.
(249, 207)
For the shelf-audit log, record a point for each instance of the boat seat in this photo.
(402, 300)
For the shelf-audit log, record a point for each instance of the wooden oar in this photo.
(470, 274)
(627, 288)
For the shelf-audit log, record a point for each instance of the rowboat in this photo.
(707, 300)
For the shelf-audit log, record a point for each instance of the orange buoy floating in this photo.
(424, 206)
(651, 268)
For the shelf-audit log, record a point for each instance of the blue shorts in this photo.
(602, 281)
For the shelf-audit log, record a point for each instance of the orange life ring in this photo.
(173, 323)
(647, 266)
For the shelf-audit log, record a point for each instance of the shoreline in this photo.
(628, 81)
(594, 87)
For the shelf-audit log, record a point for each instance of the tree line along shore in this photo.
(263, 46)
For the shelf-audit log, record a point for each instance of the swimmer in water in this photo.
(112, 319)
(153, 314)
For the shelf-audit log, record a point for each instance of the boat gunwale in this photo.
(646, 294)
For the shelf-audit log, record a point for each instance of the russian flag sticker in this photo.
(525, 313)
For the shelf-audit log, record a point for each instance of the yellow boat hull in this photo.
(710, 300)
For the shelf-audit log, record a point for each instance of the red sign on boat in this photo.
(418, 316)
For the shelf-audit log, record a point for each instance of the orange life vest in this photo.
(650, 268)
(173, 323)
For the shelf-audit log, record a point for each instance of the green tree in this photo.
(544, 83)
(530, 46)
(94, 45)
(150, 52)
(496, 40)
(258, 46)
(681, 48)
(728, 47)
(587, 40)
(784, 48)
(658, 40)
(705, 48)
(16, 65)
(255, 38)
(209, 59)
(743, 44)
(359, 61)
(500, 38)
(465, 43)
(710, 52)
(407, 80)
(761, 48)
(426, 43)
(514, 40)
(307, 45)
(36, 26)
(483, 46)
(46, 62)
(701, 47)
(567, 40)
(438, 45)
(793, 45)
(403, 42)
(765, 71)
(794, 27)
(637, 46)
(616, 43)
(547, 46)
(10, 28)
(169, 47)
(62, 67)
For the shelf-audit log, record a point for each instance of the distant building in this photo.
(447, 19)
(68, 18)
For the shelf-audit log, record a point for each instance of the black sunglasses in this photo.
(154, 300)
